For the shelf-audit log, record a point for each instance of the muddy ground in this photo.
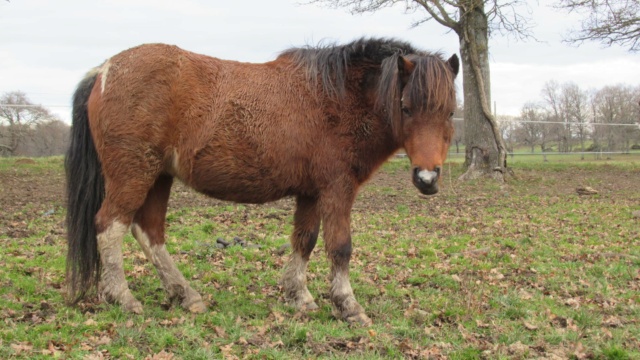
(27, 193)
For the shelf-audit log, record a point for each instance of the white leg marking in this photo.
(344, 302)
(294, 282)
(340, 286)
(172, 279)
(113, 285)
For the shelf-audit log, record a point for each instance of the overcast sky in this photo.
(47, 46)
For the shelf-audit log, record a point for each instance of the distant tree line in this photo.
(27, 129)
(568, 119)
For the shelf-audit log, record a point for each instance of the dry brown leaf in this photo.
(21, 346)
(98, 355)
(220, 332)
(411, 253)
(573, 302)
(481, 324)
(529, 326)
(405, 345)
(226, 351)
(518, 348)
(524, 295)
(612, 321)
(579, 352)
(278, 317)
(586, 190)
(103, 340)
(571, 325)
(162, 355)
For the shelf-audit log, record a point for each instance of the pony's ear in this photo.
(454, 64)
(405, 68)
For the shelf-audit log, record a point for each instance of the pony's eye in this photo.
(406, 111)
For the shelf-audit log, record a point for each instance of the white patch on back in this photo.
(104, 71)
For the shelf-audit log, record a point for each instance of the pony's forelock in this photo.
(431, 87)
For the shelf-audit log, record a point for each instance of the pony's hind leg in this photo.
(303, 240)
(128, 178)
(113, 285)
(148, 229)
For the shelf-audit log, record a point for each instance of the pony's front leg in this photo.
(336, 220)
(303, 240)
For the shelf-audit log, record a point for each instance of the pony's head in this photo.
(420, 101)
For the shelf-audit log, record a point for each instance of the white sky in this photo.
(47, 46)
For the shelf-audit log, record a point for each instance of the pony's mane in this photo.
(329, 62)
(431, 84)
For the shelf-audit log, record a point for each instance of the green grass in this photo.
(482, 270)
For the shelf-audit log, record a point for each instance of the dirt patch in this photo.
(26, 195)
(25, 162)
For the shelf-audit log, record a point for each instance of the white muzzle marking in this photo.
(427, 176)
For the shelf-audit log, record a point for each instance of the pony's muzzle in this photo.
(425, 180)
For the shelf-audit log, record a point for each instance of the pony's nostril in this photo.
(416, 170)
(437, 170)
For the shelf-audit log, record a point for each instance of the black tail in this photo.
(85, 193)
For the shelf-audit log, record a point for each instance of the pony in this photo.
(314, 124)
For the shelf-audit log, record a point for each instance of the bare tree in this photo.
(18, 116)
(615, 110)
(561, 127)
(607, 21)
(474, 21)
(50, 138)
(530, 130)
(575, 108)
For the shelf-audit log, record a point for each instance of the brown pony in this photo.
(315, 123)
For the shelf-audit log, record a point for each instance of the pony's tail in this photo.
(85, 193)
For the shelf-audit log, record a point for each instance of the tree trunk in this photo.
(483, 156)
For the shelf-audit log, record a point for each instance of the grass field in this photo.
(529, 269)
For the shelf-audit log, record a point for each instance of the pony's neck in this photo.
(372, 134)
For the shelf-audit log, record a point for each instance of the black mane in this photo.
(329, 62)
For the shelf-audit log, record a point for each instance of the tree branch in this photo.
(441, 15)
(606, 21)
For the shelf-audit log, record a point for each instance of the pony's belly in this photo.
(247, 196)
(242, 190)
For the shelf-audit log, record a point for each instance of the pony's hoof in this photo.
(360, 319)
(193, 302)
(197, 308)
(312, 306)
(132, 306)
